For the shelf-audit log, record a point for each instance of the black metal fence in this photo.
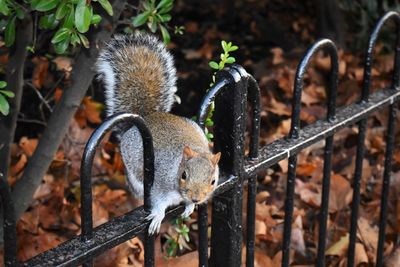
(234, 89)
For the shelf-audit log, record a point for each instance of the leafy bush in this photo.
(155, 16)
(70, 18)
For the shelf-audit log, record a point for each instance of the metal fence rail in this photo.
(234, 89)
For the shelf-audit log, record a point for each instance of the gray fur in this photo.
(108, 68)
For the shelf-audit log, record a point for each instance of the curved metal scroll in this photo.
(395, 16)
(330, 47)
(225, 78)
(128, 121)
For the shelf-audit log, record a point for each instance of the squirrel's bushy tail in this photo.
(139, 74)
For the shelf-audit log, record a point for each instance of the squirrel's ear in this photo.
(215, 158)
(188, 153)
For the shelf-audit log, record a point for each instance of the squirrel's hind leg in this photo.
(159, 203)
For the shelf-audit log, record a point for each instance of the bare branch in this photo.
(15, 83)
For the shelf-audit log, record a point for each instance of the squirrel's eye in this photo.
(213, 182)
(184, 175)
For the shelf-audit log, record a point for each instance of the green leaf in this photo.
(170, 251)
(163, 3)
(223, 57)
(61, 35)
(95, 19)
(224, 45)
(233, 48)
(141, 19)
(213, 65)
(34, 3)
(153, 26)
(3, 84)
(62, 46)
(84, 40)
(4, 106)
(62, 10)
(209, 122)
(7, 93)
(48, 21)
(75, 39)
(186, 236)
(230, 60)
(4, 8)
(165, 17)
(147, 5)
(167, 8)
(9, 35)
(69, 20)
(46, 5)
(165, 34)
(83, 16)
(107, 6)
(209, 136)
(31, 49)
(179, 29)
(19, 12)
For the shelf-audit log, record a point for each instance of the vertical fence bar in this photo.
(251, 217)
(294, 134)
(331, 103)
(202, 209)
(203, 234)
(356, 191)
(287, 228)
(362, 128)
(386, 182)
(128, 120)
(390, 138)
(230, 117)
(9, 225)
(148, 174)
(324, 212)
(254, 97)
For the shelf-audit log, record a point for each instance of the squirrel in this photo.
(140, 77)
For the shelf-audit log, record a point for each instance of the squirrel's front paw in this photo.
(155, 224)
(189, 208)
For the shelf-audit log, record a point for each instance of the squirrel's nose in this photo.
(195, 200)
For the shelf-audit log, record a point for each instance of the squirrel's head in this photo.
(198, 175)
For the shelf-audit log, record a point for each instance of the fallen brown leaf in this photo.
(339, 248)
(369, 236)
(40, 72)
(277, 55)
(28, 145)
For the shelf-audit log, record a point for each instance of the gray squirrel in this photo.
(139, 77)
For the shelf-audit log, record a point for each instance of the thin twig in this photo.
(32, 121)
(40, 96)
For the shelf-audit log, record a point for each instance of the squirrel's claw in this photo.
(155, 224)
(189, 208)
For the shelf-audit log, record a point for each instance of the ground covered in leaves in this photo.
(271, 44)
